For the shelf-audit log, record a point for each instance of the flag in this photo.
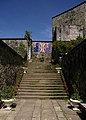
(42, 47)
(35, 46)
(47, 47)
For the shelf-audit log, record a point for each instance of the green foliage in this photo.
(60, 48)
(27, 35)
(41, 59)
(57, 65)
(75, 96)
(25, 63)
(18, 80)
(22, 49)
(7, 92)
(10, 91)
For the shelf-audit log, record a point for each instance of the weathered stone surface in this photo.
(74, 69)
(28, 110)
(70, 24)
(15, 43)
(10, 64)
(8, 74)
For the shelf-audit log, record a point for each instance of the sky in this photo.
(35, 16)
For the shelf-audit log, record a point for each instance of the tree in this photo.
(27, 35)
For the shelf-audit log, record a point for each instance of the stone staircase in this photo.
(41, 81)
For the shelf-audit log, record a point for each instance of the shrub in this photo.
(7, 92)
(41, 59)
(75, 96)
(25, 63)
(61, 47)
(18, 80)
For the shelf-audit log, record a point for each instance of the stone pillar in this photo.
(29, 50)
(29, 53)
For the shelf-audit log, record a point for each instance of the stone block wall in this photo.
(74, 70)
(15, 44)
(10, 64)
(70, 24)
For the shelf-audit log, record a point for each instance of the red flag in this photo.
(42, 47)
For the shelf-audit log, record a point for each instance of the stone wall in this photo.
(70, 24)
(15, 44)
(10, 64)
(74, 70)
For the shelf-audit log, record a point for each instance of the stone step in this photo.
(43, 73)
(41, 94)
(51, 74)
(40, 85)
(40, 97)
(41, 82)
(40, 68)
(46, 91)
(40, 78)
(40, 71)
(41, 88)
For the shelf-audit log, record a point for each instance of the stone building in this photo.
(70, 24)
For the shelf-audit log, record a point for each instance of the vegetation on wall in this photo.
(61, 48)
(7, 92)
(18, 80)
(10, 90)
(74, 70)
(22, 49)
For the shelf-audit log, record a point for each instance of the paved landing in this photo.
(36, 109)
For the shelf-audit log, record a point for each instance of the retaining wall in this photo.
(10, 64)
(74, 70)
(19, 45)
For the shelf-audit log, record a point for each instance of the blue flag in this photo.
(36, 47)
(48, 48)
